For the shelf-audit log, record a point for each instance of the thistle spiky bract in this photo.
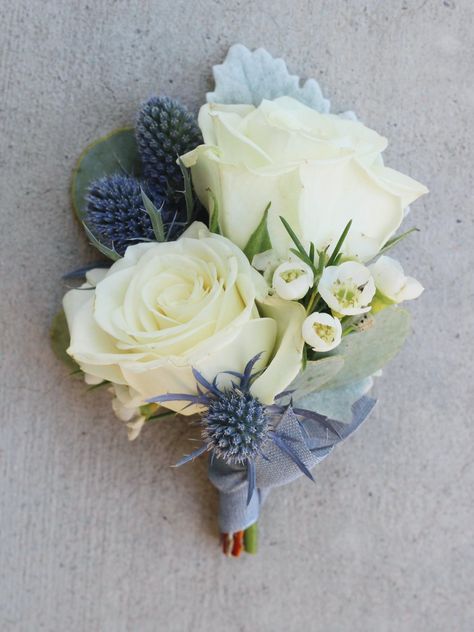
(164, 131)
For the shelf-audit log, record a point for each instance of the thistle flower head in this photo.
(234, 425)
(164, 131)
(115, 212)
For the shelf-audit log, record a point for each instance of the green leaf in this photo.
(108, 252)
(94, 387)
(188, 191)
(60, 340)
(315, 376)
(365, 352)
(334, 257)
(293, 236)
(115, 153)
(155, 217)
(214, 226)
(396, 240)
(304, 257)
(259, 240)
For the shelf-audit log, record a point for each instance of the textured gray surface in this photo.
(99, 535)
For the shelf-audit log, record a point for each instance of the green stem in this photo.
(251, 538)
(312, 300)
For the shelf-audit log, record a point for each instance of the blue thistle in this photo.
(235, 424)
(165, 130)
(116, 215)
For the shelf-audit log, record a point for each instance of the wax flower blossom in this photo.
(322, 332)
(292, 280)
(347, 288)
(391, 282)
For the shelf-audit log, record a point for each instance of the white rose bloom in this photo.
(390, 280)
(292, 280)
(318, 171)
(322, 332)
(347, 288)
(165, 308)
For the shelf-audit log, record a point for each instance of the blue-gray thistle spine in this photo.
(165, 130)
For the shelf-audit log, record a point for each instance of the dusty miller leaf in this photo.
(365, 352)
(336, 403)
(315, 376)
(250, 77)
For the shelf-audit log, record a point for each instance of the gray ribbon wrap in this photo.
(312, 439)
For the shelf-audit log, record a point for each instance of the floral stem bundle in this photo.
(245, 282)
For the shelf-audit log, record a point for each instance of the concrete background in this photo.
(99, 535)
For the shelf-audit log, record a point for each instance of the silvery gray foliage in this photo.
(368, 350)
(336, 403)
(249, 77)
(359, 356)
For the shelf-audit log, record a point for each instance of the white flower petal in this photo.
(347, 288)
(322, 332)
(286, 361)
(292, 280)
(391, 281)
(318, 171)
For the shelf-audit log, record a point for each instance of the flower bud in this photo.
(322, 332)
(292, 280)
(391, 282)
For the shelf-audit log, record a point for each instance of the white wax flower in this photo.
(322, 332)
(347, 288)
(390, 280)
(292, 280)
(318, 171)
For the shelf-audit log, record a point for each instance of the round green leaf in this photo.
(60, 339)
(115, 153)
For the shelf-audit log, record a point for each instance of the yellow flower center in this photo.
(325, 332)
(347, 293)
(290, 275)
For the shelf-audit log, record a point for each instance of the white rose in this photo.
(347, 288)
(165, 308)
(390, 280)
(322, 332)
(317, 170)
(292, 280)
